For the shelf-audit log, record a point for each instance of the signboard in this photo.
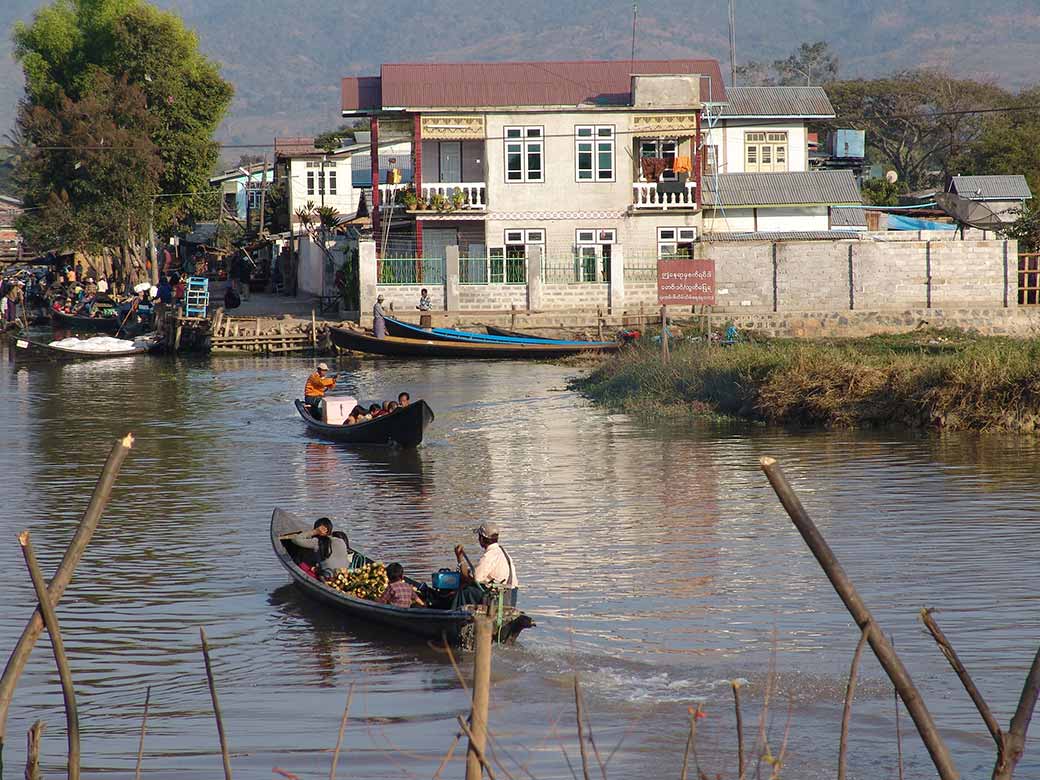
(686, 282)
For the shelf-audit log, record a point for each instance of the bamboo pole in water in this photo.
(87, 525)
(144, 724)
(879, 643)
(50, 620)
(342, 728)
(216, 705)
(846, 714)
(32, 751)
(477, 729)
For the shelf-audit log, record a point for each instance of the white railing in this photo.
(474, 193)
(388, 193)
(646, 196)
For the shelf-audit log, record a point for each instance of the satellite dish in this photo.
(972, 213)
(891, 177)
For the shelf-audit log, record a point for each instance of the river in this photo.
(655, 560)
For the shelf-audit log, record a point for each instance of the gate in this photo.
(1029, 279)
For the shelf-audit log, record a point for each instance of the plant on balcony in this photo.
(439, 203)
(409, 198)
(458, 198)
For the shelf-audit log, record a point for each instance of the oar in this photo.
(128, 313)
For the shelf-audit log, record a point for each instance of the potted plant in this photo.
(458, 198)
(410, 199)
(439, 203)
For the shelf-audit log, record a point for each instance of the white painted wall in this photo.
(784, 219)
(345, 199)
(728, 136)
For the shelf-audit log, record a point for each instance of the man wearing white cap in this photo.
(495, 567)
(314, 390)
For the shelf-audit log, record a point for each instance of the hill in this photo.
(286, 59)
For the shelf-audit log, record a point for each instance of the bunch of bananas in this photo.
(367, 582)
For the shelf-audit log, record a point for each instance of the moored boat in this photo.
(434, 622)
(494, 330)
(58, 351)
(79, 323)
(404, 426)
(394, 346)
(407, 330)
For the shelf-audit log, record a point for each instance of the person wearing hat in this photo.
(378, 321)
(495, 567)
(314, 390)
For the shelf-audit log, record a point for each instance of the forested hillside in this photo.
(285, 58)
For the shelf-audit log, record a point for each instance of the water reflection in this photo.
(656, 560)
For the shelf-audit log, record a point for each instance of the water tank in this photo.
(848, 143)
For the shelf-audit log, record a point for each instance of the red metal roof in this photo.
(477, 84)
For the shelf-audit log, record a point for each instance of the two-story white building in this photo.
(572, 157)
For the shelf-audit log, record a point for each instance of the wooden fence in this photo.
(1029, 279)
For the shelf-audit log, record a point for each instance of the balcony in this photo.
(473, 195)
(645, 195)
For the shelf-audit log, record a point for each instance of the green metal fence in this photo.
(411, 270)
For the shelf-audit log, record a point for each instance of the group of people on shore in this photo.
(332, 551)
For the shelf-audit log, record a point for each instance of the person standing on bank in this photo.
(378, 321)
(495, 567)
(424, 306)
(314, 390)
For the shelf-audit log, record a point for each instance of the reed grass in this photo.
(926, 379)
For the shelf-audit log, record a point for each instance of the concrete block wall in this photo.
(405, 297)
(889, 275)
(491, 297)
(972, 273)
(743, 274)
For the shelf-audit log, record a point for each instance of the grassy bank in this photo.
(923, 380)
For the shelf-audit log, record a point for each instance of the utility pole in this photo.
(263, 196)
(732, 46)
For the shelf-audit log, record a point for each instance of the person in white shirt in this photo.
(495, 567)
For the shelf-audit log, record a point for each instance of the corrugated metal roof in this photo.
(793, 235)
(849, 217)
(1007, 187)
(777, 101)
(493, 84)
(824, 188)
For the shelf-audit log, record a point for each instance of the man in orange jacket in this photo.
(314, 391)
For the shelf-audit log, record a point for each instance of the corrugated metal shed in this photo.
(1008, 187)
(794, 235)
(822, 188)
(851, 217)
(798, 102)
(494, 84)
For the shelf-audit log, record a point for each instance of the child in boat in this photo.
(391, 407)
(375, 411)
(399, 593)
(357, 415)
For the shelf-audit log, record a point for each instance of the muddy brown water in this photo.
(654, 558)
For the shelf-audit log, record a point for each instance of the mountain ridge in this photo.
(287, 68)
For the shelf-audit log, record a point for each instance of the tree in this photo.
(1008, 142)
(74, 48)
(915, 121)
(754, 73)
(811, 63)
(881, 192)
(1026, 229)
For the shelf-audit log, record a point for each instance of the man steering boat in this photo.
(494, 570)
(314, 390)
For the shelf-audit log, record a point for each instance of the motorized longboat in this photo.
(404, 426)
(26, 348)
(395, 346)
(403, 329)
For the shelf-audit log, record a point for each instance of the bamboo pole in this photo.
(477, 754)
(741, 768)
(32, 751)
(50, 620)
(664, 335)
(87, 524)
(477, 731)
(216, 705)
(691, 745)
(144, 724)
(342, 728)
(846, 713)
(879, 643)
(581, 730)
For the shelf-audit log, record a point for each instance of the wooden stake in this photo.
(477, 730)
(477, 754)
(216, 705)
(314, 332)
(581, 730)
(691, 745)
(879, 643)
(32, 751)
(846, 713)
(342, 728)
(144, 725)
(50, 620)
(87, 525)
(741, 769)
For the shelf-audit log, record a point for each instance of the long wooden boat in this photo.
(494, 330)
(408, 331)
(403, 427)
(426, 622)
(26, 348)
(393, 346)
(76, 322)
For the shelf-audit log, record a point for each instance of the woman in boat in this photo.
(332, 548)
(357, 415)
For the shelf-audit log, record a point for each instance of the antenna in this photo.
(635, 14)
(732, 46)
(969, 212)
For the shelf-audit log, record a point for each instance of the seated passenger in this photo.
(403, 399)
(333, 549)
(399, 593)
(375, 411)
(357, 415)
(392, 407)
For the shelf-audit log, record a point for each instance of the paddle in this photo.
(130, 311)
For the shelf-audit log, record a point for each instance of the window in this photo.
(508, 263)
(765, 152)
(594, 153)
(332, 182)
(310, 182)
(675, 242)
(592, 251)
(664, 148)
(709, 159)
(523, 149)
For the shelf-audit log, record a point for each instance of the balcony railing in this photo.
(646, 196)
(474, 195)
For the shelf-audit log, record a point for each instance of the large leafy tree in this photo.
(75, 50)
(810, 64)
(1009, 143)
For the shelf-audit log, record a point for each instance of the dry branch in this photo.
(879, 643)
(474, 750)
(32, 751)
(342, 728)
(846, 713)
(144, 726)
(50, 620)
(741, 769)
(581, 730)
(216, 706)
(691, 745)
(87, 524)
(1015, 741)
